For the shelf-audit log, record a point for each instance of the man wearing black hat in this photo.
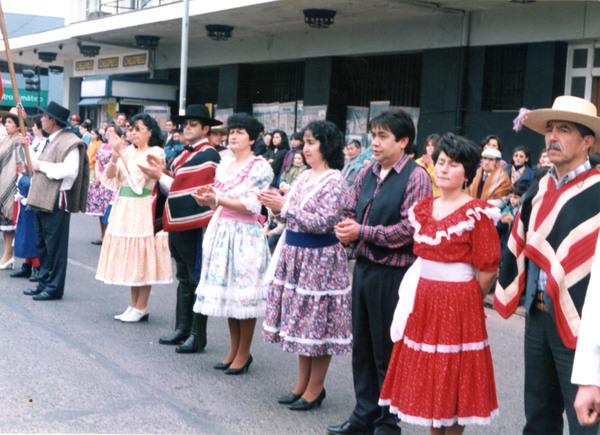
(58, 188)
(184, 219)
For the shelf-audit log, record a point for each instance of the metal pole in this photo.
(185, 26)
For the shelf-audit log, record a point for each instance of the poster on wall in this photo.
(299, 109)
(272, 117)
(160, 113)
(313, 113)
(287, 117)
(356, 120)
(258, 111)
(376, 107)
(223, 115)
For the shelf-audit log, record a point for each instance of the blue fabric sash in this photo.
(310, 240)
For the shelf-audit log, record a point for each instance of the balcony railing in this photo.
(102, 8)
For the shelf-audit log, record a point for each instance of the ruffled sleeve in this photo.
(485, 241)
(258, 180)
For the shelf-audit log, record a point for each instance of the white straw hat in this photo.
(565, 108)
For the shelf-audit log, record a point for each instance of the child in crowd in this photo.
(288, 177)
(174, 147)
(25, 230)
(508, 215)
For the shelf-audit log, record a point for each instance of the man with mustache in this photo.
(549, 257)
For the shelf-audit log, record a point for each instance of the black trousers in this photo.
(374, 299)
(52, 246)
(548, 387)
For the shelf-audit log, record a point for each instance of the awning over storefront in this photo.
(127, 87)
(89, 101)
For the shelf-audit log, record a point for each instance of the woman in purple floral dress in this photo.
(309, 300)
(98, 195)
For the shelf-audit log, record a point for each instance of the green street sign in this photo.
(28, 98)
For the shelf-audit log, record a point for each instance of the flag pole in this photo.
(13, 79)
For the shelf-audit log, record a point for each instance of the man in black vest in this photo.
(383, 193)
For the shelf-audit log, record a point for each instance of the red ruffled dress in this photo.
(441, 371)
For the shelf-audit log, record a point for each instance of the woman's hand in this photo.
(206, 196)
(118, 147)
(155, 167)
(272, 200)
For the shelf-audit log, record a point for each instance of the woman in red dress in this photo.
(441, 373)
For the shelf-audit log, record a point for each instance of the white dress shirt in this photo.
(586, 367)
(66, 170)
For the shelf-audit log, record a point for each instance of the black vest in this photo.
(386, 206)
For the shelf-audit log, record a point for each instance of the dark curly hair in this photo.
(461, 150)
(156, 139)
(245, 122)
(331, 142)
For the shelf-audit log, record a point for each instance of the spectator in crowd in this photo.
(493, 142)
(84, 130)
(122, 123)
(509, 214)
(560, 213)
(174, 147)
(296, 144)
(91, 150)
(287, 178)
(280, 146)
(520, 171)
(426, 160)
(75, 122)
(544, 162)
(99, 195)
(491, 183)
(170, 129)
(308, 307)
(350, 171)
(260, 147)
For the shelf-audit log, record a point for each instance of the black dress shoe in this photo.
(189, 346)
(34, 274)
(97, 242)
(23, 272)
(44, 296)
(303, 405)
(289, 398)
(32, 292)
(177, 337)
(244, 368)
(346, 428)
(221, 366)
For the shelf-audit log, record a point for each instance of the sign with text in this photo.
(115, 64)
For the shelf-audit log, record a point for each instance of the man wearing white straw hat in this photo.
(549, 257)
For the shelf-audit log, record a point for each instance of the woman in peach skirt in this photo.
(131, 254)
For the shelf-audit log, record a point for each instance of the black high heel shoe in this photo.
(289, 398)
(302, 405)
(245, 367)
(221, 366)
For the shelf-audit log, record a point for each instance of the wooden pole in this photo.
(13, 79)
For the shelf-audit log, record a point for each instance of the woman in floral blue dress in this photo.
(235, 253)
(309, 301)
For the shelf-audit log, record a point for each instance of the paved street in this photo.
(67, 366)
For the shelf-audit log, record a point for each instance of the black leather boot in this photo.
(183, 320)
(23, 272)
(196, 342)
(34, 274)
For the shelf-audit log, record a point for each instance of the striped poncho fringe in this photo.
(556, 229)
(189, 171)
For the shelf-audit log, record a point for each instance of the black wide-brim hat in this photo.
(198, 111)
(56, 111)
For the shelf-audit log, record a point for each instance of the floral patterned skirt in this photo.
(235, 256)
(309, 302)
